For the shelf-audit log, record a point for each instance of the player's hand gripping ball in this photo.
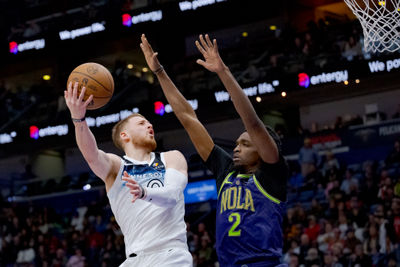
(97, 80)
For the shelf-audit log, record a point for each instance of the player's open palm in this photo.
(75, 103)
(212, 61)
(149, 54)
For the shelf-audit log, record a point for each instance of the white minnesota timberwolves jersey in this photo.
(146, 226)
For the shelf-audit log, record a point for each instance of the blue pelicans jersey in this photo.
(249, 218)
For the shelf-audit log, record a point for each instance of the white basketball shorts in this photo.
(170, 257)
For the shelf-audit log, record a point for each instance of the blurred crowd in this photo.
(40, 236)
(281, 52)
(343, 215)
(32, 235)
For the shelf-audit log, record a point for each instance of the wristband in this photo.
(159, 70)
(78, 120)
(143, 192)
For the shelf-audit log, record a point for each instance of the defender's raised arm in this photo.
(259, 135)
(183, 110)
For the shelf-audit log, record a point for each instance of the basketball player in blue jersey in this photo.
(251, 185)
(153, 225)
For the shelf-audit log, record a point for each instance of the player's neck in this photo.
(250, 169)
(138, 153)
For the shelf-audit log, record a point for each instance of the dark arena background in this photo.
(301, 62)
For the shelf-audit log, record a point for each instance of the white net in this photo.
(380, 21)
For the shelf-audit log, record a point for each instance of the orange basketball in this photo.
(97, 80)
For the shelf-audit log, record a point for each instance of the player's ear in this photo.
(124, 137)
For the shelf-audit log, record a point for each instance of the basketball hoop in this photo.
(380, 21)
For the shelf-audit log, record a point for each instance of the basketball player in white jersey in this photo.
(145, 189)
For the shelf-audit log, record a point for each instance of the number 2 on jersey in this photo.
(235, 218)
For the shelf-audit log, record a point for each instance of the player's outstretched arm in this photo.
(259, 135)
(103, 165)
(182, 109)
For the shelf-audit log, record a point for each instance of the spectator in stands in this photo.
(77, 241)
(26, 255)
(42, 258)
(357, 215)
(316, 208)
(77, 260)
(386, 231)
(385, 192)
(205, 253)
(313, 228)
(369, 190)
(189, 235)
(392, 262)
(305, 245)
(351, 241)
(383, 176)
(294, 260)
(352, 49)
(359, 257)
(326, 237)
(313, 259)
(193, 242)
(293, 249)
(343, 224)
(314, 128)
(298, 46)
(396, 217)
(100, 225)
(332, 181)
(394, 156)
(296, 180)
(77, 222)
(330, 260)
(109, 252)
(337, 194)
(349, 183)
(330, 163)
(337, 251)
(371, 243)
(394, 221)
(309, 158)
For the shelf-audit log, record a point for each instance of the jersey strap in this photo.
(262, 190)
(225, 182)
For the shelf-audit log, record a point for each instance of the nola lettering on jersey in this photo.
(234, 198)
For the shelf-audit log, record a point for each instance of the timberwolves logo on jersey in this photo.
(147, 175)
